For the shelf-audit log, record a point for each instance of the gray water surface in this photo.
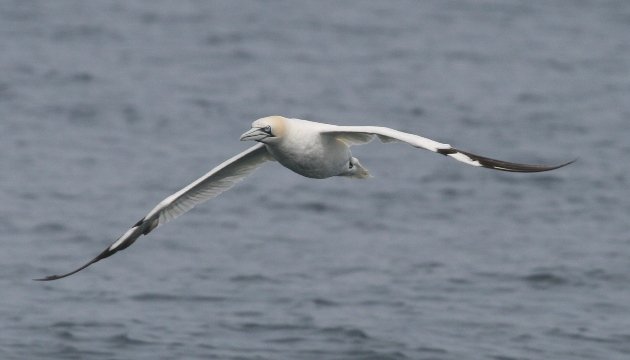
(108, 107)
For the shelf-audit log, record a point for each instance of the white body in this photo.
(307, 152)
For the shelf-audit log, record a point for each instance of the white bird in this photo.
(311, 149)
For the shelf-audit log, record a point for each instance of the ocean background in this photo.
(107, 107)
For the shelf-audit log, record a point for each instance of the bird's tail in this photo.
(358, 171)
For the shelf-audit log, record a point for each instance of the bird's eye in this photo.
(267, 129)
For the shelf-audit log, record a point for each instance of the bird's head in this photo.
(266, 130)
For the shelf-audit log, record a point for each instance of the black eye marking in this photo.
(350, 165)
(267, 129)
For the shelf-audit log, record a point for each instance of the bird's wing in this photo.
(218, 180)
(353, 135)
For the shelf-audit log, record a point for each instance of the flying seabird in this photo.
(311, 149)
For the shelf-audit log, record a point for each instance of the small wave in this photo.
(84, 32)
(126, 340)
(65, 334)
(154, 297)
(545, 279)
(473, 57)
(431, 350)
(531, 98)
(59, 195)
(357, 354)
(348, 271)
(69, 78)
(248, 314)
(252, 278)
(343, 333)
(324, 302)
(230, 38)
(315, 206)
(543, 180)
(287, 340)
(428, 266)
(49, 227)
(88, 324)
(585, 335)
(606, 276)
(131, 113)
(308, 206)
(6, 93)
(503, 357)
(378, 355)
(82, 112)
(267, 327)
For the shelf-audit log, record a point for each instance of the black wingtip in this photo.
(100, 256)
(566, 163)
(510, 166)
(141, 227)
(50, 277)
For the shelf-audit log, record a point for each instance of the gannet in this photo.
(311, 149)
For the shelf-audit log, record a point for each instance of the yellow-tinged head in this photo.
(266, 129)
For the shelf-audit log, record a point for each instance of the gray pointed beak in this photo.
(254, 134)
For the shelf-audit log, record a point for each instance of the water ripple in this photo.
(164, 297)
(545, 280)
(123, 340)
(252, 278)
(344, 333)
